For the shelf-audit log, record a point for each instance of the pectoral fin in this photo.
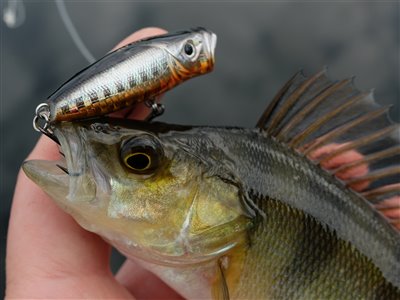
(220, 289)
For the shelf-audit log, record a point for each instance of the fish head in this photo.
(143, 189)
(191, 52)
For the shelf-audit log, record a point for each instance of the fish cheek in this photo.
(218, 220)
(158, 201)
(217, 203)
(137, 196)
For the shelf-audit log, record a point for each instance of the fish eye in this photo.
(142, 154)
(189, 49)
(138, 161)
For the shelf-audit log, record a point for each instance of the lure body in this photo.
(134, 73)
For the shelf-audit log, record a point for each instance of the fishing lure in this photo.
(137, 72)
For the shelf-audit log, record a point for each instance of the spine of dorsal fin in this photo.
(375, 175)
(343, 128)
(315, 126)
(266, 115)
(356, 143)
(389, 152)
(291, 100)
(303, 113)
(387, 189)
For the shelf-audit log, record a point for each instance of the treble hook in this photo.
(157, 109)
(42, 113)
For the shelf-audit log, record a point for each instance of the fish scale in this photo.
(318, 269)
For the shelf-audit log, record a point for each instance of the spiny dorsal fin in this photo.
(344, 131)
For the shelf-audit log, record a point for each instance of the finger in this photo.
(51, 236)
(143, 284)
(389, 207)
(44, 243)
(140, 34)
(139, 111)
(340, 160)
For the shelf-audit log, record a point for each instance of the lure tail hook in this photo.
(42, 113)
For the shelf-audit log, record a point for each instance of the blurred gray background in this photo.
(260, 45)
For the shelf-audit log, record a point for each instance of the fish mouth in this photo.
(57, 181)
(48, 175)
(65, 179)
(52, 180)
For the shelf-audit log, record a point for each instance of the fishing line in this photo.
(72, 31)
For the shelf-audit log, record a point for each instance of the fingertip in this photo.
(45, 148)
(143, 284)
(148, 31)
(140, 34)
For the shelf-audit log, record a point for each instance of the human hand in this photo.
(50, 256)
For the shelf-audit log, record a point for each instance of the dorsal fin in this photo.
(344, 131)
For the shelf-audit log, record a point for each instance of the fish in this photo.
(295, 208)
(140, 71)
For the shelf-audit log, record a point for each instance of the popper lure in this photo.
(137, 72)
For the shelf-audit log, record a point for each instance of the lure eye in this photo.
(142, 154)
(189, 49)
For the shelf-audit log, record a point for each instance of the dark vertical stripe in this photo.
(156, 72)
(79, 103)
(120, 87)
(107, 92)
(132, 82)
(65, 109)
(144, 77)
(94, 98)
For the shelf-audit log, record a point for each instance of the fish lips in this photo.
(57, 184)
(48, 176)
(66, 180)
